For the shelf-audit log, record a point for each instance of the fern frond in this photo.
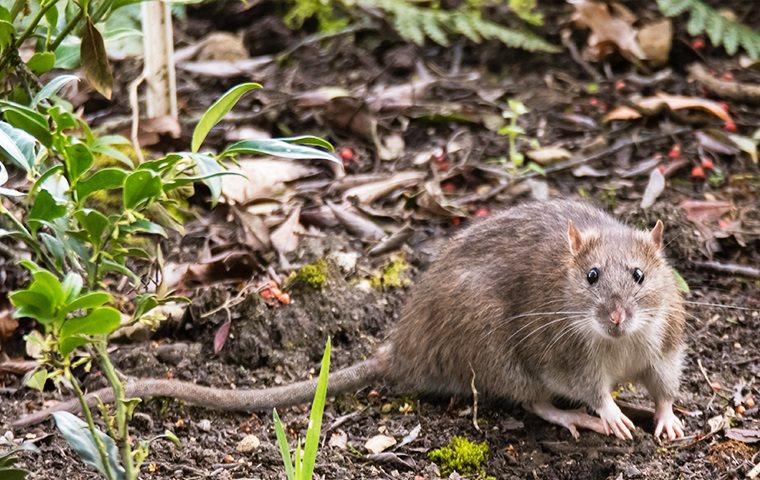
(416, 24)
(721, 30)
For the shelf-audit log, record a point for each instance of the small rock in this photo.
(338, 439)
(204, 425)
(248, 444)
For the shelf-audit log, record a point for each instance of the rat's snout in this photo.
(617, 316)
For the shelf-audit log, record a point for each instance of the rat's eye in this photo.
(638, 275)
(592, 276)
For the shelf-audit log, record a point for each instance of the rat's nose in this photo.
(617, 316)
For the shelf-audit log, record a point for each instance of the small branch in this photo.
(743, 92)
(731, 268)
(474, 400)
(576, 56)
(66, 30)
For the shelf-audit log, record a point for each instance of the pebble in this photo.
(204, 425)
(248, 444)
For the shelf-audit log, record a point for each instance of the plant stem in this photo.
(27, 33)
(66, 30)
(90, 424)
(16, 8)
(122, 424)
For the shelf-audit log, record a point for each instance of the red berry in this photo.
(728, 76)
(449, 187)
(698, 172)
(675, 151)
(346, 154)
(619, 85)
(456, 221)
(708, 164)
(594, 101)
(482, 212)
(698, 43)
(730, 126)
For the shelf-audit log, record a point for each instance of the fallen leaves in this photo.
(379, 443)
(611, 29)
(705, 210)
(654, 188)
(654, 104)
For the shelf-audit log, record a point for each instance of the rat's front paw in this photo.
(615, 421)
(667, 422)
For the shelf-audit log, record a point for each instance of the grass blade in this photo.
(282, 441)
(315, 418)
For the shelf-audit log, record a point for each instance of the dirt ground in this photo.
(274, 345)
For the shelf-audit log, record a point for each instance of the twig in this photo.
(474, 400)
(576, 56)
(731, 268)
(743, 92)
(134, 104)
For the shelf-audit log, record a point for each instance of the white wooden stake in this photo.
(159, 72)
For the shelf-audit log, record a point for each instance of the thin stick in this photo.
(474, 400)
(730, 268)
(743, 92)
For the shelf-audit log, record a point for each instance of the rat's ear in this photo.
(656, 233)
(574, 238)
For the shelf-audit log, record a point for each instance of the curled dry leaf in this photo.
(745, 435)
(608, 30)
(432, 200)
(654, 188)
(227, 68)
(356, 223)
(264, 178)
(379, 443)
(392, 242)
(655, 40)
(716, 141)
(8, 324)
(221, 335)
(673, 102)
(372, 191)
(548, 155)
(705, 210)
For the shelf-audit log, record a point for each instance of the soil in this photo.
(275, 345)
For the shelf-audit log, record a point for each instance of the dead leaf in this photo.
(379, 443)
(673, 102)
(352, 114)
(95, 60)
(411, 436)
(746, 144)
(221, 335)
(607, 30)
(338, 439)
(284, 238)
(319, 97)
(393, 242)
(716, 141)
(640, 168)
(227, 68)
(356, 223)
(222, 46)
(745, 435)
(705, 210)
(228, 265)
(433, 201)
(547, 155)
(8, 324)
(263, 178)
(392, 147)
(654, 188)
(399, 97)
(372, 191)
(589, 171)
(655, 40)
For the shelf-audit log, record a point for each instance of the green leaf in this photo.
(52, 87)
(282, 442)
(278, 148)
(209, 169)
(101, 321)
(112, 266)
(79, 160)
(95, 60)
(72, 285)
(31, 304)
(29, 121)
(169, 435)
(56, 248)
(41, 62)
(315, 417)
(63, 119)
(13, 474)
(145, 226)
(217, 111)
(103, 179)
(45, 209)
(6, 34)
(140, 187)
(48, 285)
(36, 381)
(683, 287)
(17, 145)
(78, 435)
(309, 140)
(88, 301)
(94, 223)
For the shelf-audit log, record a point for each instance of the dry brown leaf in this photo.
(227, 68)
(548, 155)
(673, 102)
(399, 97)
(654, 188)
(319, 97)
(370, 192)
(356, 223)
(222, 46)
(655, 40)
(284, 238)
(608, 29)
(264, 178)
(379, 443)
(705, 210)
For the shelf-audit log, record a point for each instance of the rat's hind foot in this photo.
(570, 419)
(667, 422)
(615, 421)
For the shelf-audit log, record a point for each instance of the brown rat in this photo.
(544, 300)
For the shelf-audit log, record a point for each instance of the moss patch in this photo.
(462, 456)
(391, 275)
(313, 276)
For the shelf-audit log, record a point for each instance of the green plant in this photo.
(721, 29)
(65, 33)
(300, 466)
(417, 23)
(7, 469)
(513, 131)
(462, 456)
(80, 248)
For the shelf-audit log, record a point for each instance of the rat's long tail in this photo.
(347, 379)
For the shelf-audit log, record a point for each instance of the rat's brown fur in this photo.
(491, 306)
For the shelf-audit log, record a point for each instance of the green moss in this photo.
(391, 275)
(312, 275)
(462, 456)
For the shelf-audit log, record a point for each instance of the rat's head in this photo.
(619, 278)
